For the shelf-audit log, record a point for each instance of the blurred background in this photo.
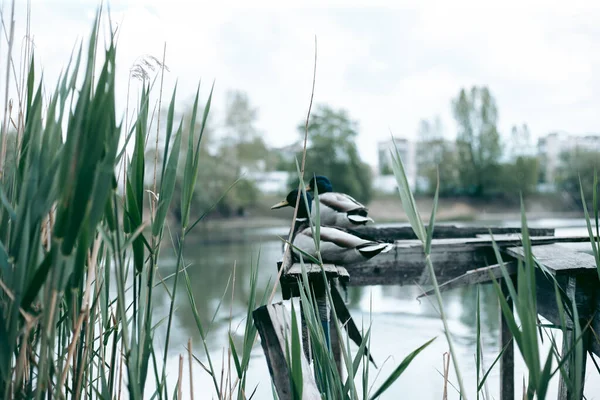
(500, 98)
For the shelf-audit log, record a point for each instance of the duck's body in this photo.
(337, 209)
(337, 245)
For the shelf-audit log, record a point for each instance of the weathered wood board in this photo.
(558, 259)
(289, 280)
(405, 263)
(331, 271)
(476, 276)
(274, 328)
(576, 274)
(391, 234)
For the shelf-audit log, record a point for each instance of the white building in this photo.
(269, 182)
(385, 181)
(551, 146)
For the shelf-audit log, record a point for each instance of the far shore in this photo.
(388, 209)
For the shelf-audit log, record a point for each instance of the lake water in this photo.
(400, 322)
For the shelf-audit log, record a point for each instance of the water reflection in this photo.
(400, 321)
(210, 260)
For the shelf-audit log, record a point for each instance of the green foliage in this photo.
(520, 139)
(328, 378)
(332, 151)
(243, 144)
(477, 141)
(228, 151)
(518, 177)
(525, 327)
(595, 217)
(399, 370)
(526, 330)
(438, 155)
(574, 165)
(471, 165)
(76, 264)
(425, 235)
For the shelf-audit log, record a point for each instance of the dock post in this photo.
(329, 324)
(565, 391)
(507, 362)
(335, 345)
(334, 336)
(324, 313)
(305, 335)
(273, 326)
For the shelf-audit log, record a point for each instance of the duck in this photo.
(337, 245)
(337, 209)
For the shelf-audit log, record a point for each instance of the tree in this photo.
(331, 151)
(220, 165)
(478, 141)
(517, 177)
(575, 165)
(435, 153)
(520, 141)
(240, 117)
(243, 143)
(446, 164)
(430, 131)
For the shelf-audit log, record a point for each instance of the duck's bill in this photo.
(308, 188)
(281, 204)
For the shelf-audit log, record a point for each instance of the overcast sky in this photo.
(389, 67)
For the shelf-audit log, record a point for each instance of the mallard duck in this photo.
(337, 245)
(337, 209)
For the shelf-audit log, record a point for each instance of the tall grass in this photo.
(79, 257)
(523, 321)
(425, 235)
(68, 238)
(315, 296)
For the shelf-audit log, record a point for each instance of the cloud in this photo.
(388, 66)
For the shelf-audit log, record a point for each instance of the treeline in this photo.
(231, 144)
(473, 164)
(479, 163)
(332, 151)
(232, 149)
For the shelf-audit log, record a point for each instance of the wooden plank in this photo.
(475, 276)
(287, 289)
(503, 241)
(507, 361)
(546, 297)
(331, 271)
(586, 299)
(391, 234)
(273, 325)
(405, 263)
(289, 281)
(558, 259)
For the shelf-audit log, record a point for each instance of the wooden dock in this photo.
(461, 256)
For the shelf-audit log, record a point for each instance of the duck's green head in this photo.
(290, 201)
(322, 184)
